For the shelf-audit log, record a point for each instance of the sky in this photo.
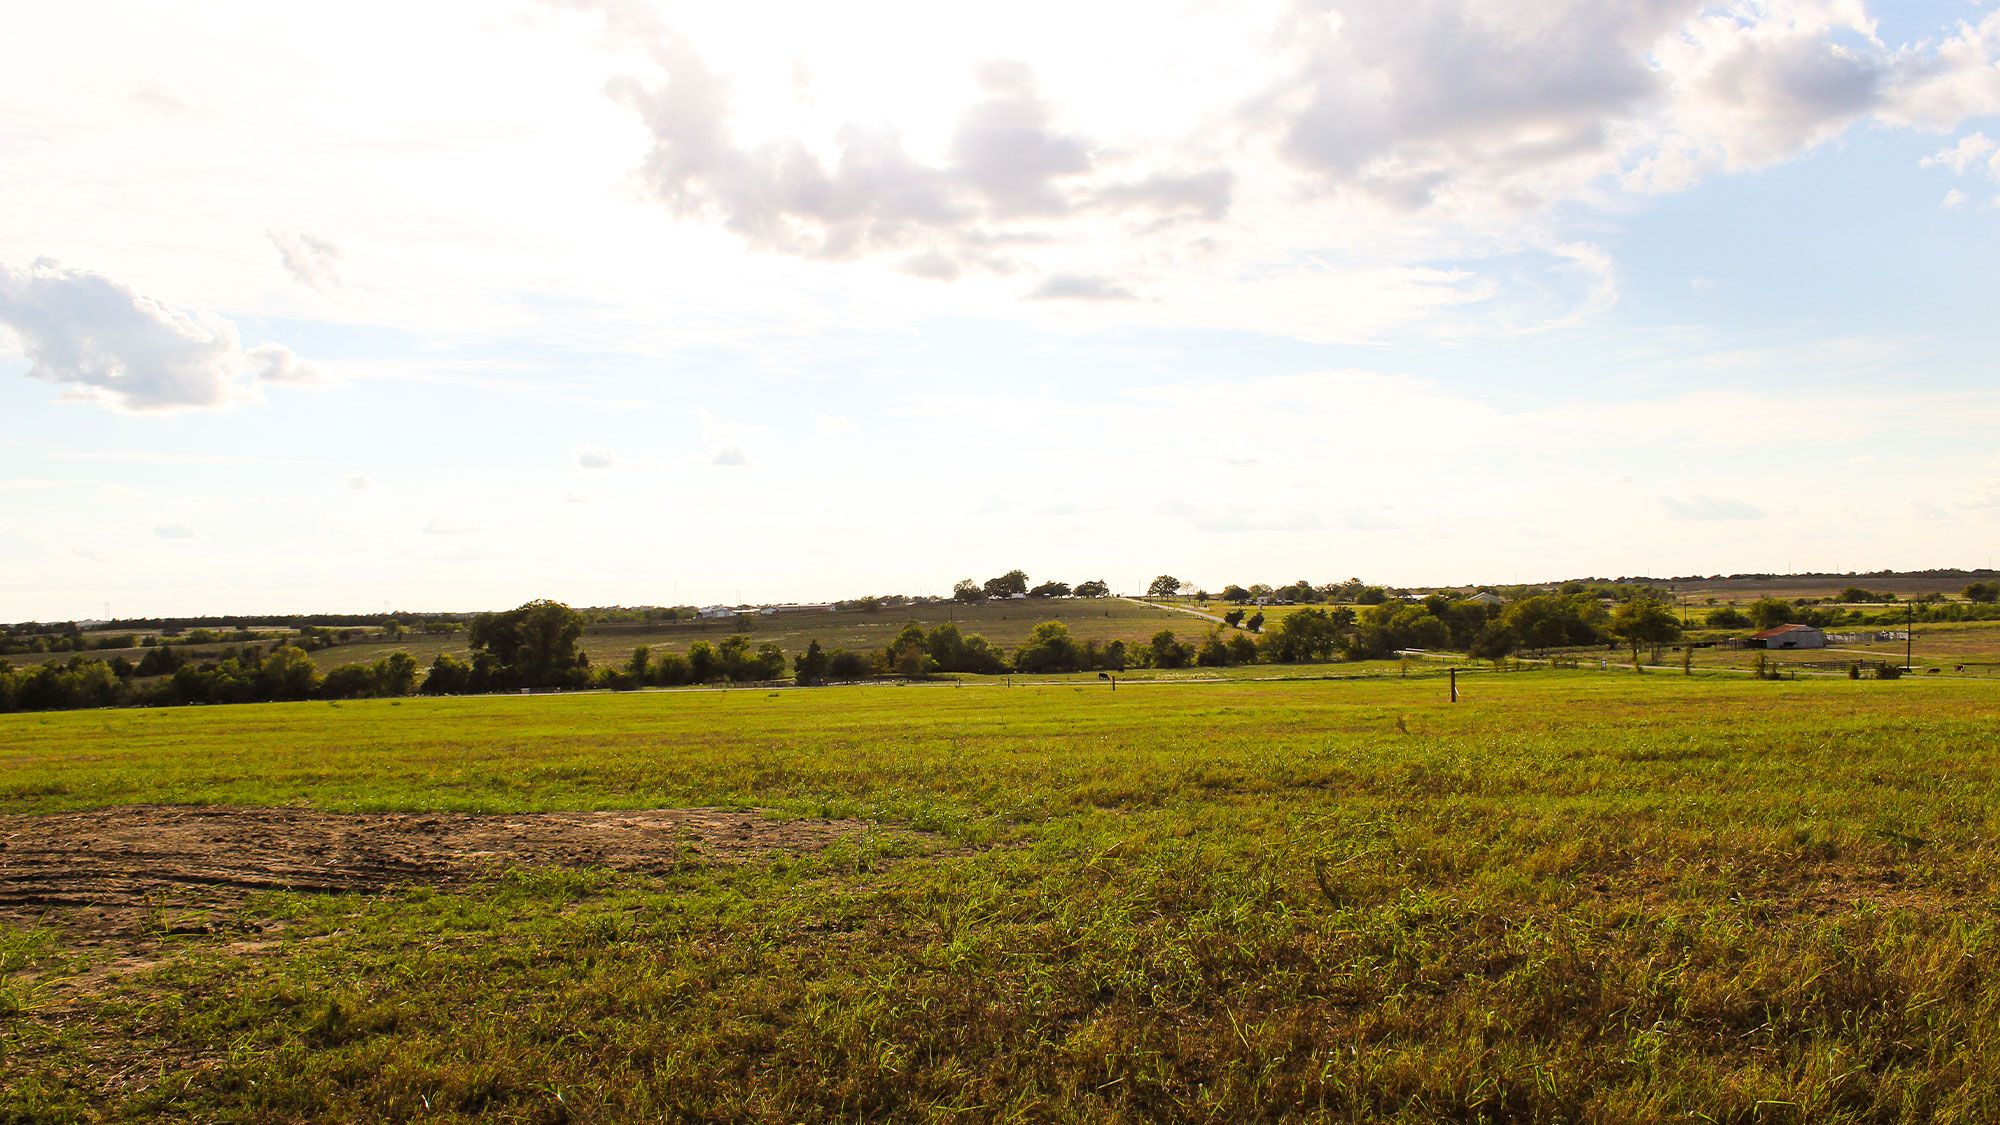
(448, 306)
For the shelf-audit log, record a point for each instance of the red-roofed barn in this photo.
(1790, 636)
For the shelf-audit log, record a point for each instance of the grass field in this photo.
(1573, 896)
(1004, 623)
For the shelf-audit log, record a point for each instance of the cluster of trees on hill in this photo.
(1351, 592)
(1014, 583)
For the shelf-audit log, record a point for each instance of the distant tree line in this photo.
(1766, 613)
(535, 647)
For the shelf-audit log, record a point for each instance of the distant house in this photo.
(1487, 597)
(717, 611)
(1790, 636)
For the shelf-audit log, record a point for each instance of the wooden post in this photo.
(1454, 685)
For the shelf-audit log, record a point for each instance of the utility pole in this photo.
(1454, 685)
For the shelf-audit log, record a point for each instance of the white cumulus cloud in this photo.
(114, 346)
(313, 262)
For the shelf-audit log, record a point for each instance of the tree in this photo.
(1235, 593)
(847, 664)
(1727, 617)
(1769, 613)
(1495, 642)
(1645, 621)
(1307, 636)
(953, 652)
(967, 591)
(535, 643)
(768, 664)
(1168, 652)
(1389, 626)
(906, 655)
(1050, 590)
(288, 674)
(1233, 618)
(704, 664)
(1050, 648)
(1007, 585)
(1165, 586)
(1983, 592)
(396, 674)
(448, 676)
(1255, 622)
(1553, 620)
(1095, 588)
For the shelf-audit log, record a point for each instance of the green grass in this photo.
(1006, 623)
(1573, 896)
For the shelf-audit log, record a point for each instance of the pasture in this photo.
(1574, 896)
(1005, 623)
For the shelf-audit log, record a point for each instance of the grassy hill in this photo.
(1005, 623)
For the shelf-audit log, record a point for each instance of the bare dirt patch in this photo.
(141, 857)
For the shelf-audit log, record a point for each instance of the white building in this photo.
(1790, 636)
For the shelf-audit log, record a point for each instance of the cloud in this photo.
(440, 526)
(1952, 200)
(595, 457)
(1974, 150)
(1356, 134)
(116, 347)
(1080, 287)
(174, 531)
(359, 482)
(276, 364)
(1418, 102)
(1704, 507)
(313, 262)
(728, 439)
(1008, 166)
(1498, 108)
(834, 425)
